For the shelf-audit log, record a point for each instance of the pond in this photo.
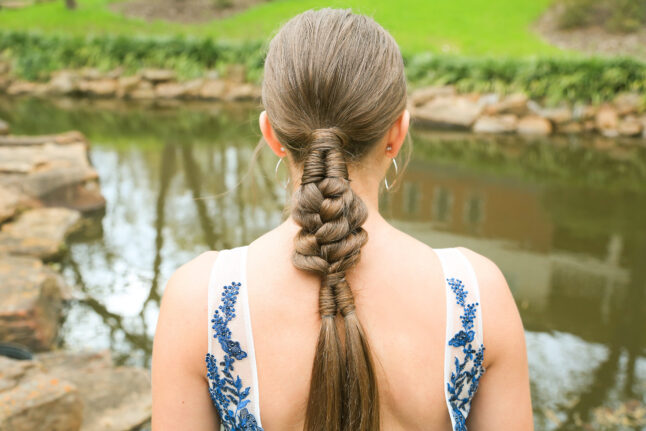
(564, 219)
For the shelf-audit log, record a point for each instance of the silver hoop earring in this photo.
(286, 183)
(388, 186)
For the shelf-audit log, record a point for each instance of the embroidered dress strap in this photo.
(230, 360)
(464, 349)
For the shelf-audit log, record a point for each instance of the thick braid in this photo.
(329, 243)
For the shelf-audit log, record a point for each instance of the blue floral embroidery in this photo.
(467, 373)
(227, 392)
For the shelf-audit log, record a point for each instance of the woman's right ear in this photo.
(270, 137)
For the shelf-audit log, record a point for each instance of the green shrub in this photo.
(550, 80)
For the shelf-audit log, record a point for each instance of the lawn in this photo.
(464, 27)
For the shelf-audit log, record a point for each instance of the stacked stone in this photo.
(46, 182)
(443, 107)
(147, 84)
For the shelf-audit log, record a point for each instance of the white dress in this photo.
(231, 361)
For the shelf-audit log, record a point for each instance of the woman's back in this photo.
(400, 292)
(335, 321)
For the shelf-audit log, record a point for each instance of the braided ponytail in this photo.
(329, 243)
(333, 86)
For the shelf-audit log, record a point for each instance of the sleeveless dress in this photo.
(231, 363)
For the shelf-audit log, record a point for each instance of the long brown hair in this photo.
(333, 86)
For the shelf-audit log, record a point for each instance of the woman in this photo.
(335, 320)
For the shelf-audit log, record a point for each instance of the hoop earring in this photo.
(286, 183)
(388, 186)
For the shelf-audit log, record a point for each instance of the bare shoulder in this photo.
(501, 320)
(183, 311)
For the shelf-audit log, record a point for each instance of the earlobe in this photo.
(400, 131)
(268, 134)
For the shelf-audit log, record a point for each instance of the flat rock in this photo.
(55, 172)
(424, 95)
(449, 112)
(39, 232)
(630, 127)
(63, 82)
(169, 90)
(114, 398)
(9, 203)
(32, 399)
(628, 103)
(100, 88)
(534, 125)
(607, 118)
(496, 124)
(513, 104)
(158, 75)
(30, 302)
(143, 91)
(213, 89)
(559, 115)
(240, 92)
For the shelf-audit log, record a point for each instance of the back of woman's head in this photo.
(333, 86)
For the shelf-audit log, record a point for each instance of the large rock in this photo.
(607, 118)
(114, 398)
(32, 399)
(50, 170)
(193, 88)
(513, 104)
(534, 125)
(17, 88)
(628, 103)
(630, 126)
(423, 95)
(31, 299)
(239, 92)
(100, 397)
(496, 124)
(558, 116)
(127, 84)
(449, 112)
(169, 90)
(63, 82)
(99, 88)
(39, 232)
(4, 127)
(143, 91)
(213, 89)
(158, 75)
(9, 203)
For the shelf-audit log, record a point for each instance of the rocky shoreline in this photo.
(432, 107)
(46, 186)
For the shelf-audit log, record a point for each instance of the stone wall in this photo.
(147, 84)
(443, 107)
(54, 390)
(431, 107)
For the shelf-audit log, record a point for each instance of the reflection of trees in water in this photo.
(626, 339)
(227, 209)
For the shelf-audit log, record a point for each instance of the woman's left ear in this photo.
(270, 137)
(397, 134)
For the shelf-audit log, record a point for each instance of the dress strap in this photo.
(463, 348)
(230, 360)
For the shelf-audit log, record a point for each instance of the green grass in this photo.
(465, 27)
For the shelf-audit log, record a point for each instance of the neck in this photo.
(366, 185)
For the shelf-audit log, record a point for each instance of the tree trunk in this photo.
(70, 4)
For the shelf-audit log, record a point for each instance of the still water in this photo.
(564, 219)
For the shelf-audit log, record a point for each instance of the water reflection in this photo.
(565, 223)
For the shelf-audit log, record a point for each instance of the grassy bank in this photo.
(468, 27)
